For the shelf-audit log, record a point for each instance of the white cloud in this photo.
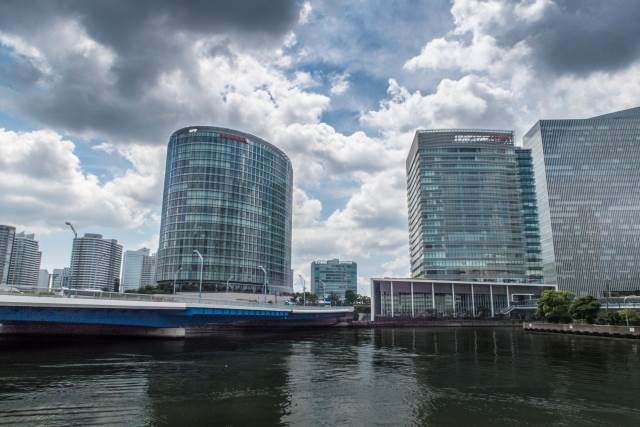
(305, 12)
(339, 84)
(442, 53)
(501, 84)
(471, 101)
(43, 185)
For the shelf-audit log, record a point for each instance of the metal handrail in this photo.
(115, 296)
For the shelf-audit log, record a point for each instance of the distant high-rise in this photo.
(95, 262)
(43, 279)
(138, 269)
(25, 261)
(227, 195)
(465, 208)
(7, 235)
(61, 278)
(333, 277)
(588, 197)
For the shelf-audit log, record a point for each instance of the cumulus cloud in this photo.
(122, 76)
(339, 84)
(522, 61)
(372, 225)
(472, 101)
(111, 64)
(43, 185)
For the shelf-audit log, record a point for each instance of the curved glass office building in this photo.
(465, 216)
(228, 195)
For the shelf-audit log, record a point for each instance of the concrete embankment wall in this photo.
(418, 323)
(60, 329)
(598, 330)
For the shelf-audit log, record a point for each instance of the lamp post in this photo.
(304, 290)
(175, 277)
(264, 283)
(75, 236)
(197, 252)
(324, 289)
(626, 310)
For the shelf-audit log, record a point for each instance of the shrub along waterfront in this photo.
(563, 307)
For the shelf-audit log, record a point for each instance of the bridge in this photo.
(104, 313)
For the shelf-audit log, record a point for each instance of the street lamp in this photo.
(324, 289)
(75, 234)
(264, 283)
(304, 290)
(175, 277)
(626, 310)
(197, 252)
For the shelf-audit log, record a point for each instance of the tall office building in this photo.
(530, 223)
(465, 209)
(7, 235)
(25, 261)
(588, 193)
(61, 278)
(228, 195)
(138, 269)
(333, 277)
(95, 263)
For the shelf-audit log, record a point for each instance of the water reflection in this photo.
(481, 376)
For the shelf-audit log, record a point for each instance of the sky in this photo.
(91, 91)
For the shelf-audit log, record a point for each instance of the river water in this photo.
(433, 377)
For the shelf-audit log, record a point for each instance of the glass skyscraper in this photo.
(588, 197)
(465, 209)
(530, 225)
(228, 195)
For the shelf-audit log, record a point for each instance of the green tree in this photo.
(308, 297)
(585, 308)
(350, 297)
(334, 299)
(363, 300)
(554, 306)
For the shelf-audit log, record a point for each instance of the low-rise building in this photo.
(333, 277)
(419, 298)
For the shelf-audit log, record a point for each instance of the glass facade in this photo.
(465, 211)
(333, 277)
(530, 225)
(228, 195)
(416, 298)
(588, 197)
